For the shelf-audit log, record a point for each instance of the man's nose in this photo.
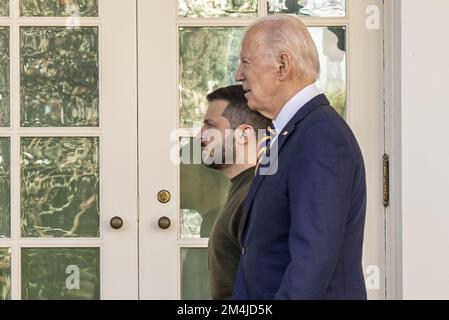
(239, 75)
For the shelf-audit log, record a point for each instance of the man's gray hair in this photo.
(288, 34)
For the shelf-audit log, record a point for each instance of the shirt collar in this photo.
(293, 105)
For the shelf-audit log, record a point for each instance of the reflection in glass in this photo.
(59, 76)
(5, 274)
(217, 8)
(209, 58)
(59, 187)
(4, 77)
(195, 274)
(5, 188)
(331, 45)
(58, 8)
(4, 8)
(61, 273)
(315, 8)
(203, 193)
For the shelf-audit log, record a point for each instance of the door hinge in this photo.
(386, 180)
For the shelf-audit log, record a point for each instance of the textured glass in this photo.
(217, 8)
(59, 187)
(203, 193)
(5, 188)
(59, 77)
(4, 77)
(315, 8)
(331, 45)
(209, 58)
(4, 7)
(195, 274)
(5, 274)
(60, 273)
(59, 8)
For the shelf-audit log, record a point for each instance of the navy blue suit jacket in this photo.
(302, 232)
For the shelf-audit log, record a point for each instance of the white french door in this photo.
(68, 151)
(188, 48)
(94, 97)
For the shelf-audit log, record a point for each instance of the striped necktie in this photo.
(264, 145)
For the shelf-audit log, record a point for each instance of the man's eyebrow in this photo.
(208, 122)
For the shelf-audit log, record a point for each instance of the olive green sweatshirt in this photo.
(224, 246)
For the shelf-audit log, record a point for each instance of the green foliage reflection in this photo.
(59, 8)
(4, 77)
(5, 188)
(59, 76)
(59, 187)
(60, 274)
(5, 274)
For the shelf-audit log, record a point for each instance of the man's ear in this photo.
(284, 66)
(243, 134)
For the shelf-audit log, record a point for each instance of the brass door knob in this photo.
(164, 223)
(164, 196)
(116, 223)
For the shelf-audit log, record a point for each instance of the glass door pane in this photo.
(59, 77)
(202, 195)
(60, 273)
(314, 8)
(194, 274)
(4, 77)
(5, 187)
(209, 58)
(60, 187)
(217, 8)
(5, 274)
(52, 8)
(4, 8)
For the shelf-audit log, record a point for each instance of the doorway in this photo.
(189, 48)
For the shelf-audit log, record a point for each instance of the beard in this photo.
(218, 160)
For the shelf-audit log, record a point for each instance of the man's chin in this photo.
(216, 166)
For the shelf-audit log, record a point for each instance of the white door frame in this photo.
(365, 116)
(393, 146)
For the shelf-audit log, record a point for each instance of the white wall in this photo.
(425, 149)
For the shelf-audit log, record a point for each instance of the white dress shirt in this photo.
(292, 106)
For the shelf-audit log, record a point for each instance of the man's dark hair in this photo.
(237, 111)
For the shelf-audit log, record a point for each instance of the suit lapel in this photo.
(280, 141)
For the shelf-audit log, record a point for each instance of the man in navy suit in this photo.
(302, 234)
